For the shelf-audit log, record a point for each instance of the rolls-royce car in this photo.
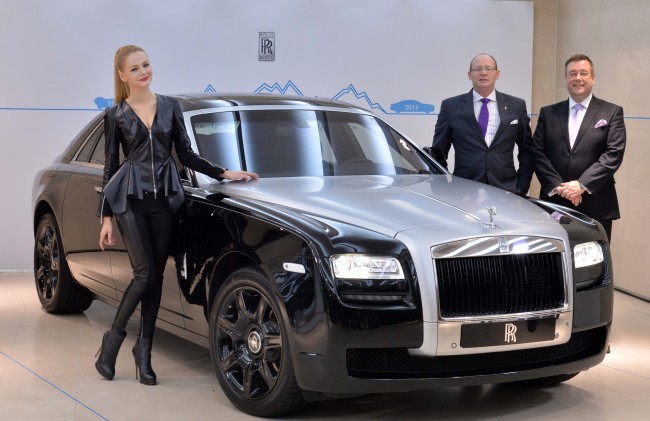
(355, 264)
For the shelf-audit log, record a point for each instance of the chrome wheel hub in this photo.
(254, 342)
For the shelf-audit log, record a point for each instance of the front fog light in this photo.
(364, 266)
(587, 254)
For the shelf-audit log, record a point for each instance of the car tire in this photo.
(250, 349)
(544, 382)
(57, 290)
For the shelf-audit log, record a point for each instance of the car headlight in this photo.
(587, 254)
(365, 266)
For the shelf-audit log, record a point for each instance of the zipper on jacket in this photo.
(153, 172)
(101, 212)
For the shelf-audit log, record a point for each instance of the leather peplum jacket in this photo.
(148, 165)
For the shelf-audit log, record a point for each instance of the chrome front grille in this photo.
(499, 275)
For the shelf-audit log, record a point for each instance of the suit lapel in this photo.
(468, 109)
(587, 121)
(504, 116)
(563, 118)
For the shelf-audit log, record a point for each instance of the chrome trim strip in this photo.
(304, 107)
(87, 165)
(496, 246)
(449, 334)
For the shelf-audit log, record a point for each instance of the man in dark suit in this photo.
(579, 145)
(484, 126)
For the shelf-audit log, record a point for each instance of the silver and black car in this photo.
(354, 265)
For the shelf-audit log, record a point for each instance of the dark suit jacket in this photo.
(493, 165)
(596, 155)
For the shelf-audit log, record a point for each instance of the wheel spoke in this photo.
(231, 360)
(47, 241)
(45, 248)
(40, 247)
(260, 310)
(40, 272)
(241, 306)
(48, 289)
(54, 249)
(248, 381)
(229, 328)
(268, 377)
(273, 340)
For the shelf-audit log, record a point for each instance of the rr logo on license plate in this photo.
(511, 333)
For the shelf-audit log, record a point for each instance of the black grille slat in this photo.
(488, 285)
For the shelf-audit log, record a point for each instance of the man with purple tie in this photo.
(578, 146)
(484, 126)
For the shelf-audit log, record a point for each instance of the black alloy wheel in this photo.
(56, 288)
(249, 348)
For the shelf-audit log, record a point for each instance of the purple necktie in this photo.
(484, 116)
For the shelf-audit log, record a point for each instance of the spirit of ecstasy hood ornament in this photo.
(492, 210)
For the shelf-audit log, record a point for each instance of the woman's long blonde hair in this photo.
(121, 88)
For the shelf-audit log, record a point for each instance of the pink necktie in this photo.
(574, 125)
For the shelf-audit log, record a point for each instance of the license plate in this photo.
(507, 333)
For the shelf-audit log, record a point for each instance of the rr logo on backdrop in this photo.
(267, 46)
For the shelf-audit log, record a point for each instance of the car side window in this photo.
(89, 146)
(99, 154)
(217, 137)
(93, 150)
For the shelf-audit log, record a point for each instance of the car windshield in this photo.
(296, 143)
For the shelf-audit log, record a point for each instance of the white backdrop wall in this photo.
(57, 59)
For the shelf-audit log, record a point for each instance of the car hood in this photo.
(389, 204)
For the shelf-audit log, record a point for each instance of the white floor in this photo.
(47, 373)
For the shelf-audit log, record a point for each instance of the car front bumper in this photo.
(359, 361)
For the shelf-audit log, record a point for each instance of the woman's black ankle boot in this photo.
(111, 343)
(142, 355)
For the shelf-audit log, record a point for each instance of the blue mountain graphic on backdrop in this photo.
(406, 106)
(362, 95)
(276, 87)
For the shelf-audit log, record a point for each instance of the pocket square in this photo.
(600, 123)
(515, 121)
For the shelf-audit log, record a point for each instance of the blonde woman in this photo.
(143, 194)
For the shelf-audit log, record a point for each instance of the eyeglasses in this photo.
(486, 69)
(573, 75)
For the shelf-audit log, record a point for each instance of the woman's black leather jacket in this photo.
(148, 165)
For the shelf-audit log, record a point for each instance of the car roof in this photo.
(197, 101)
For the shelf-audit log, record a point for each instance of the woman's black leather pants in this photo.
(146, 228)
